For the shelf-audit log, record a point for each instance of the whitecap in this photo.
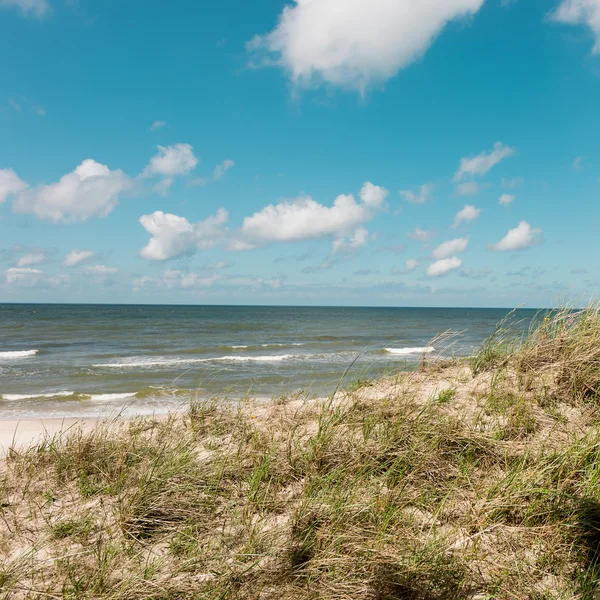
(111, 397)
(149, 362)
(425, 350)
(17, 354)
(17, 397)
(268, 358)
(165, 362)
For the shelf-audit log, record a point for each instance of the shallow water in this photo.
(85, 360)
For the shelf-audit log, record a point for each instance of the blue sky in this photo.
(345, 152)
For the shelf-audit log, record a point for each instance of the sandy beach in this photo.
(27, 432)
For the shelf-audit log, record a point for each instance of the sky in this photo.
(303, 152)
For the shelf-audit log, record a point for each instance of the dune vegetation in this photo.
(468, 479)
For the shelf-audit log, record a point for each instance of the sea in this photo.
(93, 360)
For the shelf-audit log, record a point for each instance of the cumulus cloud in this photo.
(506, 199)
(580, 12)
(174, 236)
(355, 43)
(347, 246)
(521, 237)
(33, 8)
(466, 215)
(373, 195)
(10, 184)
(76, 257)
(292, 220)
(410, 264)
(303, 218)
(33, 258)
(421, 235)
(170, 162)
(419, 197)
(450, 247)
(91, 190)
(476, 166)
(157, 125)
(443, 266)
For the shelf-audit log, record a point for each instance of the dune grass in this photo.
(465, 480)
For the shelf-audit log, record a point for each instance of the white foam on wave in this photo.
(239, 347)
(269, 358)
(165, 362)
(17, 354)
(17, 397)
(148, 362)
(425, 350)
(111, 397)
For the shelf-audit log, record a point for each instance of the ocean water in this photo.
(87, 360)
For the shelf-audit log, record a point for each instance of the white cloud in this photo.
(157, 125)
(419, 197)
(170, 162)
(466, 215)
(348, 246)
(92, 190)
(303, 218)
(580, 12)
(355, 43)
(174, 278)
(221, 169)
(411, 264)
(421, 235)
(218, 173)
(174, 236)
(100, 270)
(10, 184)
(506, 199)
(26, 277)
(34, 8)
(522, 236)
(577, 163)
(373, 195)
(468, 188)
(288, 221)
(15, 275)
(31, 259)
(480, 164)
(450, 247)
(75, 257)
(443, 266)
